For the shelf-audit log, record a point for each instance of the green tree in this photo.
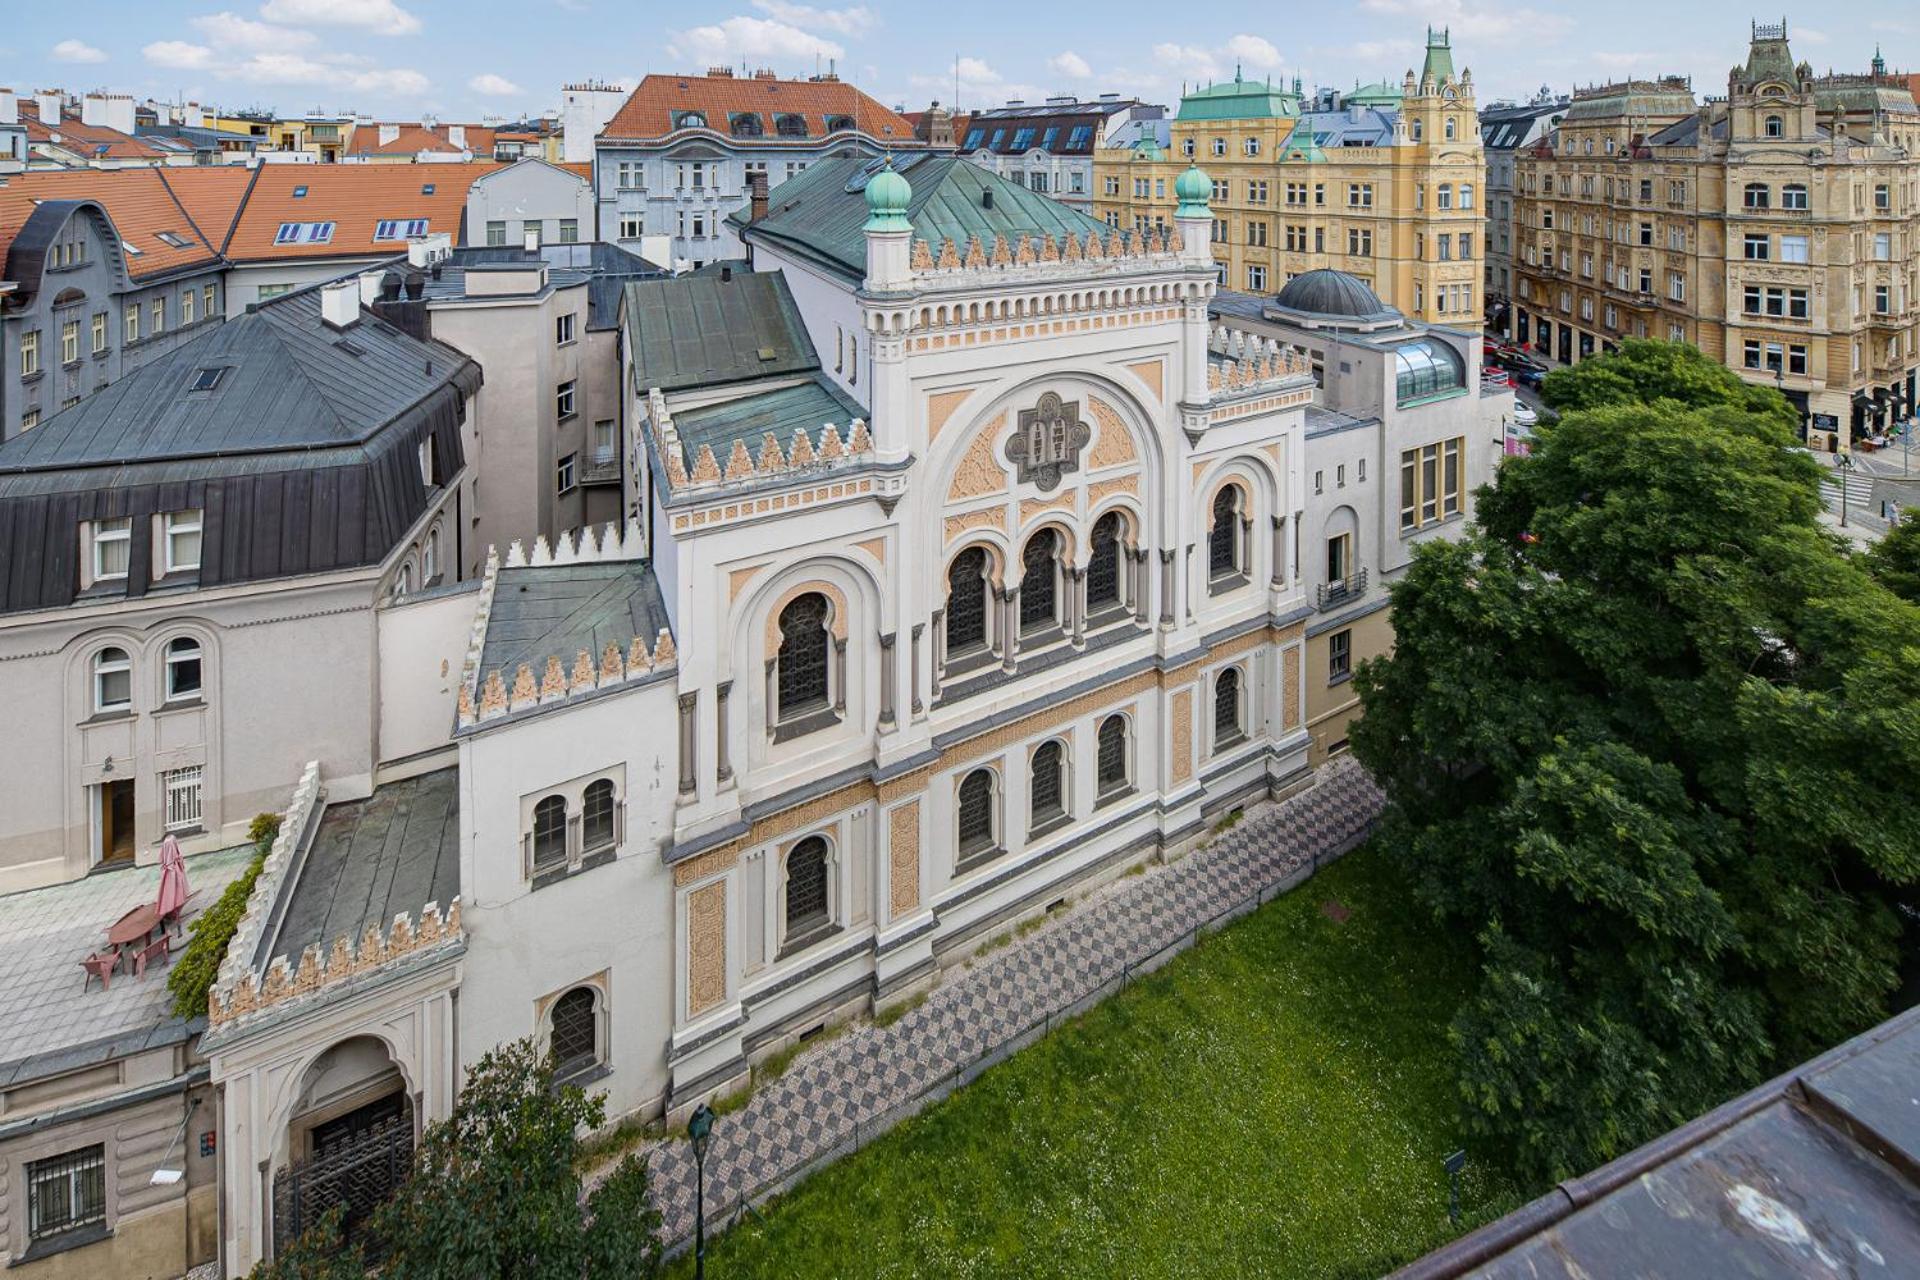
(495, 1193)
(1644, 371)
(1895, 559)
(316, 1254)
(1627, 734)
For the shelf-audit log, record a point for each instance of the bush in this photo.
(192, 975)
(318, 1254)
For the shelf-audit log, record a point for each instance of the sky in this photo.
(481, 59)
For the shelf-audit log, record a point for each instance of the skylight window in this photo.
(299, 193)
(426, 189)
(208, 379)
(131, 251)
(400, 228)
(173, 238)
(304, 233)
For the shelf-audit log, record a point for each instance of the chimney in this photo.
(118, 112)
(192, 117)
(756, 195)
(457, 135)
(340, 303)
(720, 73)
(9, 107)
(93, 110)
(389, 133)
(50, 106)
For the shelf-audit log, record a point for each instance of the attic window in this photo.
(304, 233)
(130, 249)
(837, 124)
(173, 238)
(400, 229)
(208, 379)
(690, 120)
(299, 193)
(426, 189)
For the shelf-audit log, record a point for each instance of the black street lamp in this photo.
(699, 1133)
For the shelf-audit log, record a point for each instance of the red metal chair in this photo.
(160, 947)
(99, 966)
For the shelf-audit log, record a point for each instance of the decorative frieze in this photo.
(1182, 735)
(1245, 362)
(706, 947)
(1029, 255)
(767, 458)
(903, 849)
(282, 983)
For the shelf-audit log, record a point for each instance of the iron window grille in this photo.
(1047, 770)
(1112, 756)
(803, 655)
(807, 887)
(66, 1192)
(975, 825)
(1103, 567)
(576, 1032)
(550, 832)
(1226, 706)
(1038, 581)
(597, 808)
(184, 797)
(967, 601)
(1223, 550)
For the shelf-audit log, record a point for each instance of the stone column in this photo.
(886, 679)
(1009, 626)
(1279, 552)
(1166, 588)
(1293, 550)
(840, 676)
(689, 744)
(724, 773)
(916, 706)
(936, 649)
(1137, 566)
(1077, 606)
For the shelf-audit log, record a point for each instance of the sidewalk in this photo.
(837, 1098)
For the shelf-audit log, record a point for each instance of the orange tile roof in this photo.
(415, 138)
(211, 195)
(355, 198)
(579, 168)
(96, 141)
(143, 202)
(652, 108)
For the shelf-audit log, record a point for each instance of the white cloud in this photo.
(853, 21)
(741, 37)
(231, 31)
(1071, 65)
(494, 86)
(1807, 35)
(382, 17)
(1394, 51)
(1253, 52)
(178, 55)
(981, 85)
(77, 51)
(1250, 55)
(1476, 21)
(339, 72)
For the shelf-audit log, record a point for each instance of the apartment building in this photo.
(1382, 182)
(1049, 147)
(1505, 129)
(1773, 229)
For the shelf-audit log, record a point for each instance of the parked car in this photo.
(1523, 414)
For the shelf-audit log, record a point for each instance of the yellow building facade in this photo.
(1384, 182)
(1773, 229)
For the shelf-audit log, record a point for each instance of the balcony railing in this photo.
(1331, 595)
(601, 467)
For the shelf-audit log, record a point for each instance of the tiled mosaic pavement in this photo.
(844, 1093)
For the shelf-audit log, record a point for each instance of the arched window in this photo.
(112, 680)
(790, 126)
(807, 888)
(183, 668)
(1452, 128)
(1039, 594)
(1793, 196)
(1112, 761)
(430, 556)
(1443, 196)
(574, 1039)
(1049, 783)
(967, 601)
(803, 655)
(1223, 538)
(746, 125)
(974, 822)
(1426, 368)
(1756, 195)
(690, 120)
(550, 832)
(839, 124)
(1103, 566)
(1776, 127)
(597, 828)
(1226, 708)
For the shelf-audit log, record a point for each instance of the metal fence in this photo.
(726, 1210)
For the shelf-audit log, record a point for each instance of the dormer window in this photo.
(839, 124)
(690, 120)
(790, 125)
(180, 541)
(746, 125)
(112, 547)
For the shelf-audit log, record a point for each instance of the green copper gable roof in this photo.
(1301, 146)
(1239, 99)
(1439, 62)
(1769, 58)
(712, 328)
(819, 214)
(1377, 94)
(808, 406)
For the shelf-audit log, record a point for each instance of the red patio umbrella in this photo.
(173, 879)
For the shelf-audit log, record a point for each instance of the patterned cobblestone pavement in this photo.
(840, 1096)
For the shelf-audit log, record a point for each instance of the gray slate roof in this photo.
(542, 611)
(710, 328)
(51, 1026)
(818, 215)
(372, 859)
(308, 395)
(810, 406)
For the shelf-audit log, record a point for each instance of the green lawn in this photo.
(1275, 1102)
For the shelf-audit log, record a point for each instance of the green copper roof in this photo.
(1149, 149)
(705, 329)
(1377, 94)
(1439, 62)
(888, 195)
(1239, 99)
(1194, 188)
(1301, 146)
(820, 214)
(1769, 58)
(808, 406)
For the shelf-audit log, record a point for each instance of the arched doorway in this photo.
(349, 1141)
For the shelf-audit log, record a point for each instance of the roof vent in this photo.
(766, 353)
(986, 199)
(726, 274)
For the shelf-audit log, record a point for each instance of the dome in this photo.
(1326, 292)
(1194, 188)
(887, 197)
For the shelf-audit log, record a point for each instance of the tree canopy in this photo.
(1629, 736)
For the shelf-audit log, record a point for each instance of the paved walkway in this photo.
(836, 1098)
